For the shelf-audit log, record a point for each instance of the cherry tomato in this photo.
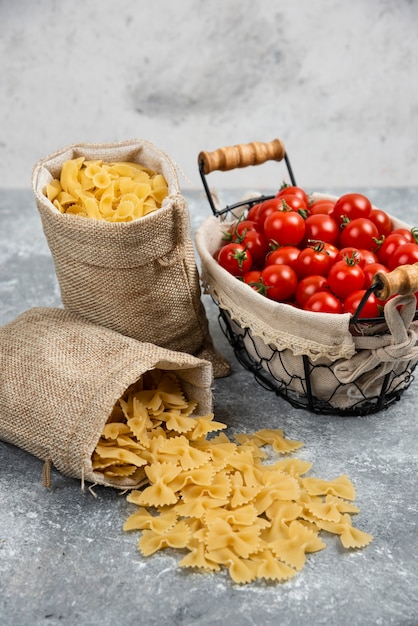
(323, 302)
(322, 206)
(237, 232)
(280, 282)
(369, 309)
(294, 191)
(350, 254)
(266, 208)
(312, 261)
(407, 254)
(351, 206)
(285, 255)
(368, 257)
(382, 220)
(370, 271)
(308, 286)
(257, 245)
(388, 247)
(235, 259)
(253, 279)
(410, 235)
(344, 278)
(285, 228)
(332, 252)
(321, 227)
(360, 233)
(293, 202)
(252, 211)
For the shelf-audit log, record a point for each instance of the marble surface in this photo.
(335, 80)
(65, 560)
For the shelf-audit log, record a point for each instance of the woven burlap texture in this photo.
(138, 278)
(60, 377)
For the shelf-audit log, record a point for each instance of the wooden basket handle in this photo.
(403, 280)
(242, 155)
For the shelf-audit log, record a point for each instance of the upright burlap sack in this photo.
(60, 377)
(138, 278)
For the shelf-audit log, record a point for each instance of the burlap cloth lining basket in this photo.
(60, 377)
(138, 278)
(280, 334)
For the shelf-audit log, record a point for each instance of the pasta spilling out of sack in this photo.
(222, 502)
(115, 192)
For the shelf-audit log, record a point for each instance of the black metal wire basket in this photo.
(297, 379)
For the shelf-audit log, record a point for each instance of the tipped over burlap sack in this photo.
(138, 278)
(60, 377)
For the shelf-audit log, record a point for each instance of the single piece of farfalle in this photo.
(196, 476)
(197, 557)
(241, 570)
(243, 540)
(240, 493)
(350, 536)
(243, 461)
(340, 486)
(178, 449)
(176, 537)
(205, 425)
(158, 493)
(300, 541)
(277, 441)
(271, 568)
(220, 451)
(245, 515)
(142, 519)
(219, 488)
(280, 514)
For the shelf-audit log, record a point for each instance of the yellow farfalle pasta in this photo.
(115, 192)
(214, 498)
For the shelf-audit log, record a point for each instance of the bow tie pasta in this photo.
(214, 499)
(115, 192)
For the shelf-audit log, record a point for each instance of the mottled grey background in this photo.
(336, 80)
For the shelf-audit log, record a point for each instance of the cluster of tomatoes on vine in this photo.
(318, 254)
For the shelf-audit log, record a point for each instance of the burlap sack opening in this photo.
(344, 368)
(138, 278)
(60, 377)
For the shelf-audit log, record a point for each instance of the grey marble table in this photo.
(64, 558)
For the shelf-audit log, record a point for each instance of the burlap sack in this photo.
(138, 278)
(345, 369)
(60, 377)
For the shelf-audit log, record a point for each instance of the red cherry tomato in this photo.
(368, 257)
(411, 235)
(344, 278)
(360, 233)
(308, 286)
(332, 252)
(253, 279)
(293, 202)
(369, 309)
(294, 191)
(351, 206)
(370, 271)
(404, 255)
(280, 282)
(350, 254)
(257, 245)
(322, 206)
(285, 255)
(323, 302)
(235, 259)
(312, 261)
(252, 211)
(266, 208)
(382, 220)
(321, 227)
(285, 228)
(388, 247)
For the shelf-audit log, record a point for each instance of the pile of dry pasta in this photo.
(214, 498)
(115, 192)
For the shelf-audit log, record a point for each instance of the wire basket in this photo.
(324, 363)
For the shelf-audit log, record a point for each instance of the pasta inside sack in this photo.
(215, 499)
(115, 192)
